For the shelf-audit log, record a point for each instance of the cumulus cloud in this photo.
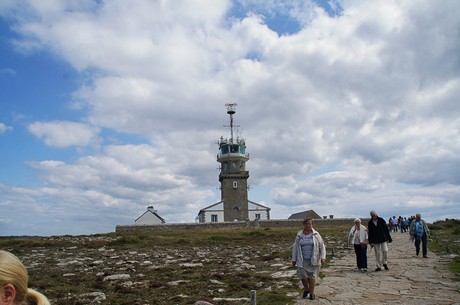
(62, 134)
(124, 177)
(4, 128)
(353, 108)
(7, 72)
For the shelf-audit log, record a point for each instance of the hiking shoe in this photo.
(305, 294)
(312, 297)
(378, 269)
(364, 269)
(385, 266)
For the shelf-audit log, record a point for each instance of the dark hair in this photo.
(307, 219)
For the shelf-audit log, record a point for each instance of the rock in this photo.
(191, 265)
(97, 296)
(281, 274)
(117, 277)
(175, 283)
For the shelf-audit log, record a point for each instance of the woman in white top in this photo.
(308, 254)
(358, 235)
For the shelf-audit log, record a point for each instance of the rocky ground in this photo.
(222, 268)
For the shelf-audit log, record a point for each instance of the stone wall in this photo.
(235, 197)
(295, 223)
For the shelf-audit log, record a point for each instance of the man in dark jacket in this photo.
(379, 237)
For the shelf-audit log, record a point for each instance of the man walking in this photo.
(419, 231)
(379, 237)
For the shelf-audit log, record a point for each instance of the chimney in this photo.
(151, 209)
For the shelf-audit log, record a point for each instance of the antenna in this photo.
(231, 111)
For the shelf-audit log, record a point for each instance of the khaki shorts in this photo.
(308, 271)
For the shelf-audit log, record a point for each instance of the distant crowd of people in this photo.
(401, 224)
(309, 251)
(417, 228)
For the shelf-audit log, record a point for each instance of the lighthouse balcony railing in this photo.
(229, 155)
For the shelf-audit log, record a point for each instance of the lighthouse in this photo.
(233, 175)
(234, 204)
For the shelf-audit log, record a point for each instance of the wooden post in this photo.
(253, 297)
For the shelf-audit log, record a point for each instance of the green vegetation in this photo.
(181, 266)
(445, 239)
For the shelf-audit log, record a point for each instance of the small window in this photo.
(213, 218)
(257, 217)
(235, 184)
(224, 149)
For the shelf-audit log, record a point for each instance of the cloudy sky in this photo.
(109, 106)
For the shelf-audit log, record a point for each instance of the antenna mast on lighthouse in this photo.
(231, 112)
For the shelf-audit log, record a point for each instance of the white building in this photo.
(150, 217)
(215, 212)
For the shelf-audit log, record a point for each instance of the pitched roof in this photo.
(260, 205)
(212, 205)
(302, 215)
(154, 213)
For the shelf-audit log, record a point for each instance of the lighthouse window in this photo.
(235, 184)
(242, 150)
(235, 149)
(224, 149)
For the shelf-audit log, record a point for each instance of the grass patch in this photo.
(220, 238)
(273, 298)
(445, 240)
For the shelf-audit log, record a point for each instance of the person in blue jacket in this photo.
(419, 232)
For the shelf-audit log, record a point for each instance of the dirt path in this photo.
(409, 280)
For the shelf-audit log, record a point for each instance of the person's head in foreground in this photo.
(14, 282)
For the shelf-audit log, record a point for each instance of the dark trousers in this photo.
(361, 256)
(422, 240)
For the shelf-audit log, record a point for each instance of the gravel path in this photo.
(409, 280)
